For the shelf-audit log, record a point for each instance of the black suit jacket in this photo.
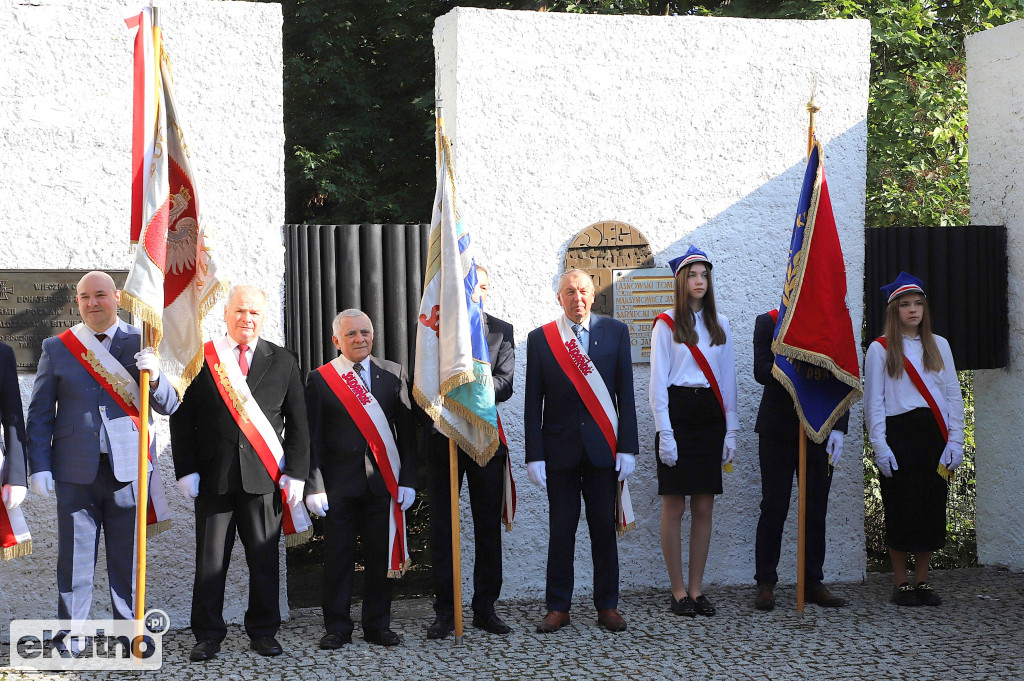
(502, 349)
(13, 419)
(338, 448)
(205, 438)
(556, 420)
(777, 414)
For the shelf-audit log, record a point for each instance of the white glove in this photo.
(41, 483)
(667, 450)
(835, 447)
(317, 504)
(952, 456)
(729, 448)
(886, 462)
(148, 360)
(13, 495)
(625, 464)
(538, 473)
(189, 486)
(406, 495)
(292, 489)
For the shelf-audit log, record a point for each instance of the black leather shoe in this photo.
(926, 594)
(204, 650)
(441, 627)
(267, 646)
(382, 637)
(905, 595)
(765, 599)
(684, 606)
(819, 595)
(490, 623)
(332, 640)
(703, 606)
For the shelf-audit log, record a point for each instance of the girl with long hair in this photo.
(915, 416)
(693, 397)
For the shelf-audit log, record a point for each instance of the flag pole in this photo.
(453, 477)
(801, 477)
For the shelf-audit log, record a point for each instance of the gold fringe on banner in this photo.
(157, 528)
(18, 550)
(398, 574)
(298, 539)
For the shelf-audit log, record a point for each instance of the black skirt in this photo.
(698, 425)
(914, 498)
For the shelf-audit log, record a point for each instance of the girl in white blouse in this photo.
(693, 397)
(915, 416)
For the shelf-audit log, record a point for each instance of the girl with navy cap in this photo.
(915, 416)
(693, 396)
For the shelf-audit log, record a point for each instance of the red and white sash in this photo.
(257, 429)
(373, 424)
(15, 539)
(81, 342)
(580, 370)
(705, 367)
(915, 378)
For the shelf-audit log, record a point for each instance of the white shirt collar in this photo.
(348, 364)
(252, 345)
(110, 331)
(585, 323)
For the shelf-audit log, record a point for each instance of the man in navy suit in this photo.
(778, 427)
(346, 485)
(567, 453)
(84, 446)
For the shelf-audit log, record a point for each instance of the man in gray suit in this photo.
(84, 445)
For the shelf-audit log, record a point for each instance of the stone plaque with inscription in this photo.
(37, 304)
(640, 296)
(602, 248)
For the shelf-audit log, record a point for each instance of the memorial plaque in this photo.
(640, 296)
(602, 248)
(37, 304)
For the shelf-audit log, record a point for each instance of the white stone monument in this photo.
(693, 130)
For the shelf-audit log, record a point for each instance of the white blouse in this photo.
(673, 364)
(886, 396)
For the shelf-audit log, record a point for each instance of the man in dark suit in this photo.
(778, 427)
(567, 452)
(347, 486)
(486, 492)
(85, 446)
(218, 466)
(15, 483)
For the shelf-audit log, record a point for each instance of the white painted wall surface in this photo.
(693, 130)
(65, 155)
(995, 93)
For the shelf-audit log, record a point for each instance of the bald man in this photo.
(84, 445)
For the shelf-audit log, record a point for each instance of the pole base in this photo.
(459, 640)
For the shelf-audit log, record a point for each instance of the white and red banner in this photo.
(15, 539)
(256, 428)
(123, 389)
(373, 424)
(173, 280)
(580, 369)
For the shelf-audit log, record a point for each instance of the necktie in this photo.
(243, 361)
(578, 330)
(359, 372)
(101, 337)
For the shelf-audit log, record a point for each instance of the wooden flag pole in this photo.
(142, 500)
(453, 477)
(801, 474)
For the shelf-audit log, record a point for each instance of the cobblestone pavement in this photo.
(977, 633)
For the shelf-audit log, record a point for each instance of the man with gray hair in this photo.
(361, 478)
(241, 434)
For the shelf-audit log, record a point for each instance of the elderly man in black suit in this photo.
(351, 479)
(777, 425)
(567, 450)
(486, 492)
(231, 471)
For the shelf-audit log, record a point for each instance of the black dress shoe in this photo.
(332, 640)
(441, 627)
(926, 594)
(490, 623)
(267, 646)
(204, 650)
(765, 599)
(819, 595)
(382, 637)
(684, 606)
(905, 595)
(703, 606)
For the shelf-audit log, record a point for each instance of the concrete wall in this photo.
(995, 93)
(693, 130)
(65, 135)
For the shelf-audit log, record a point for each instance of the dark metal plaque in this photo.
(603, 247)
(37, 304)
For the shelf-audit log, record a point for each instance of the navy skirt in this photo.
(698, 425)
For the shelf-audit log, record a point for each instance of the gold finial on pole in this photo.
(812, 108)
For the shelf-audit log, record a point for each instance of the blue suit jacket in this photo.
(558, 426)
(64, 414)
(12, 418)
